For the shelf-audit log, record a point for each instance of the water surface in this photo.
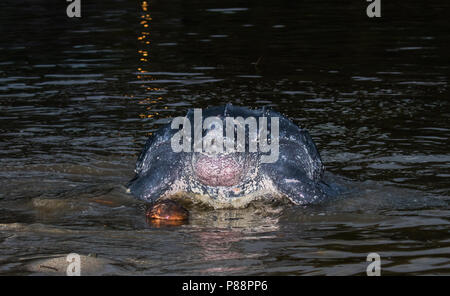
(79, 97)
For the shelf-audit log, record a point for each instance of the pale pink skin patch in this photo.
(218, 171)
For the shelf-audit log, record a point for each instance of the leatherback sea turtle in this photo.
(171, 167)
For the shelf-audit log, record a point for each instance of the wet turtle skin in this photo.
(231, 179)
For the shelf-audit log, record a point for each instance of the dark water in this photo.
(78, 98)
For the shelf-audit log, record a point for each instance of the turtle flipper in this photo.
(295, 184)
(158, 169)
(298, 170)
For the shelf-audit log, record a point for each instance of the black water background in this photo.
(78, 98)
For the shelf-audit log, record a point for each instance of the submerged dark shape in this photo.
(231, 180)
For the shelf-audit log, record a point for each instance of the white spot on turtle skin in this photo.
(291, 181)
(310, 165)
